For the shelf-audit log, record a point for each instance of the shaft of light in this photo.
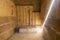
(47, 14)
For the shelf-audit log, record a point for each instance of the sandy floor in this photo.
(26, 36)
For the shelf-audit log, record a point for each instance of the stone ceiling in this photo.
(35, 3)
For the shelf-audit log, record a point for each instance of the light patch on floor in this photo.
(27, 36)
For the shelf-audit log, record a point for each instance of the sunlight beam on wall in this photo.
(48, 14)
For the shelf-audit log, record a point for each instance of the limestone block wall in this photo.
(52, 25)
(44, 8)
(24, 13)
(7, 18)
(27, 17)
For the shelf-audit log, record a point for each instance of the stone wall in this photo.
(27, 17)
(7, 18)
(52, 25)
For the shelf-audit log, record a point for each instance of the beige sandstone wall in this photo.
(23, 16)
(52, 25)
(7, 18)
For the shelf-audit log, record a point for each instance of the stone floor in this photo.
(27, 36)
